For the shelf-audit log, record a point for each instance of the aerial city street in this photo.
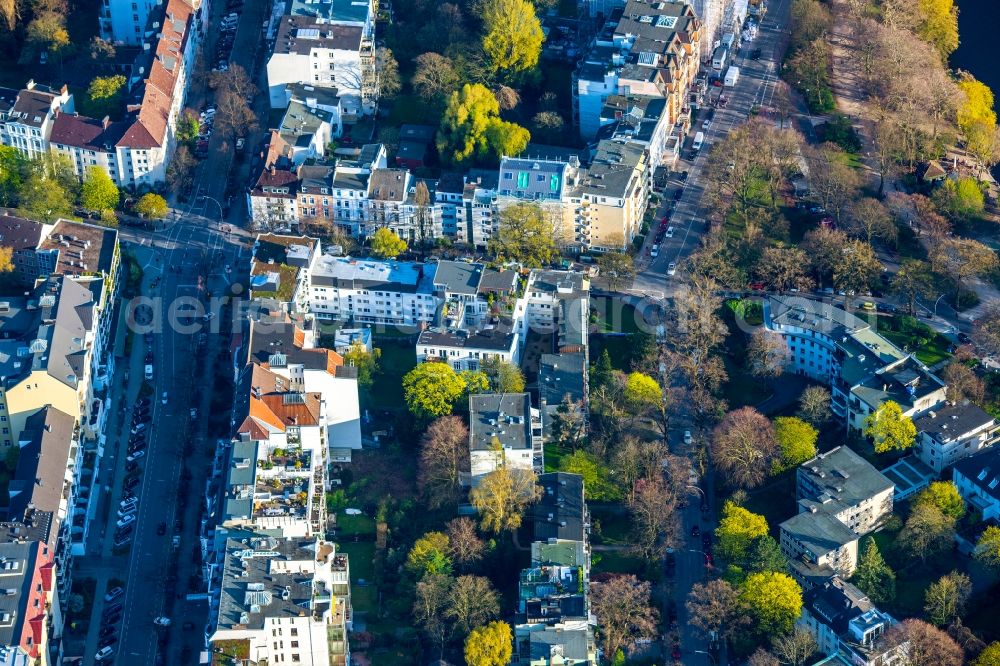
(529, 332)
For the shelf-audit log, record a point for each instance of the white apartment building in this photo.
(643, 120)
(284, 601)
(504, 430)
(26, 123)
(276, 479)
(978, 481)
(371, 292)
(863, 368)
(312, 51)
(307, 129)
(952, 431)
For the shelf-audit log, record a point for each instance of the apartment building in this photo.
(290, 351)
(549, 183)
(504, 431)
(553, 625)
(326, 53)
(614, 195)
(371, 292)
(279, 269)
(26, 121)
(26, 577)
(307, 130)
(339, 193)
(651, 48)
(136, 151)
(277, 473)
(978, 481)
(953, 431)
(862, 368)
(273, 198)
(840, 497)
(643, 120)
(847, 626)
(284, 601)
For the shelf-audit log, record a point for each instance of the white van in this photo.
(699, 139)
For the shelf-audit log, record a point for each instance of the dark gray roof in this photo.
(301, 34)
(41, 467)
(498, 338)
(560, 375)
(570, 644)
(300, 123)
(16, 573)
(564, 284)
(903, 382)
(611, 171)
(953, 420)
(324, 95)
(418, 133)
(32, 107)
(19, 233)
(252, 591)
(838, 479)
(49, 333)
(458, 277)
(561, 513)
(7, 98)
(983, 470)
(497, 281)
(836, 603)
(506, 416)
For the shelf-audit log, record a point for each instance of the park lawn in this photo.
(361, 556)
(615, 528)
(554, 453)
(355, 525)
(619, 349)
(614, 316)
(617, 562)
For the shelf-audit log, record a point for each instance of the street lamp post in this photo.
(222, 219)
(707, 654)
(936, 303)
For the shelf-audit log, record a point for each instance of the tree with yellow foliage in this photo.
(939, 25)
(489, 645)
(513, 36)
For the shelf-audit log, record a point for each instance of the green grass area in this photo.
(396, 361)
(617, 562)
(361, 556)
(909, 334)
(286, 283)
(614, 526)
(411, 109)
(554, 453)
(982, 616)
(611, 315)
(355, 525)
(619, 349)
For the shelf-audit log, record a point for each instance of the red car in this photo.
(757, 286)
(676, 653)
(708, 560)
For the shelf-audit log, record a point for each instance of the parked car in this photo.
(161, 529)
(654, 251)
(131, 482)
(113, 594)
(103, 654)
(135, 456)
(687, 437)
(113, 608)
(672, 268)
(126, 520)
(670, 232)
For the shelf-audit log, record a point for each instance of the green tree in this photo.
(44, 199)
(366, 362)
(386, 244)
(471, 128)
(490, 645)
(944, 495)
(429, 555)
(773, 601)
(889, 429)
(152, 206)
(873, 576)
(47, 32)
(596, 484)
(797, 441)
(858, 269)
(765, 555)
(13, 171)
(988, 547)
(642, 392)
(431, 389)
(603, 372)
(475, 381)
(188, 127)
(104, 95)
(98, 192)
(525, 235)
(503, 376)
(737, 530)
(960, 199)
(913, 279)
(513, 36)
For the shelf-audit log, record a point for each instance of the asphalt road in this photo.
(755, 87)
